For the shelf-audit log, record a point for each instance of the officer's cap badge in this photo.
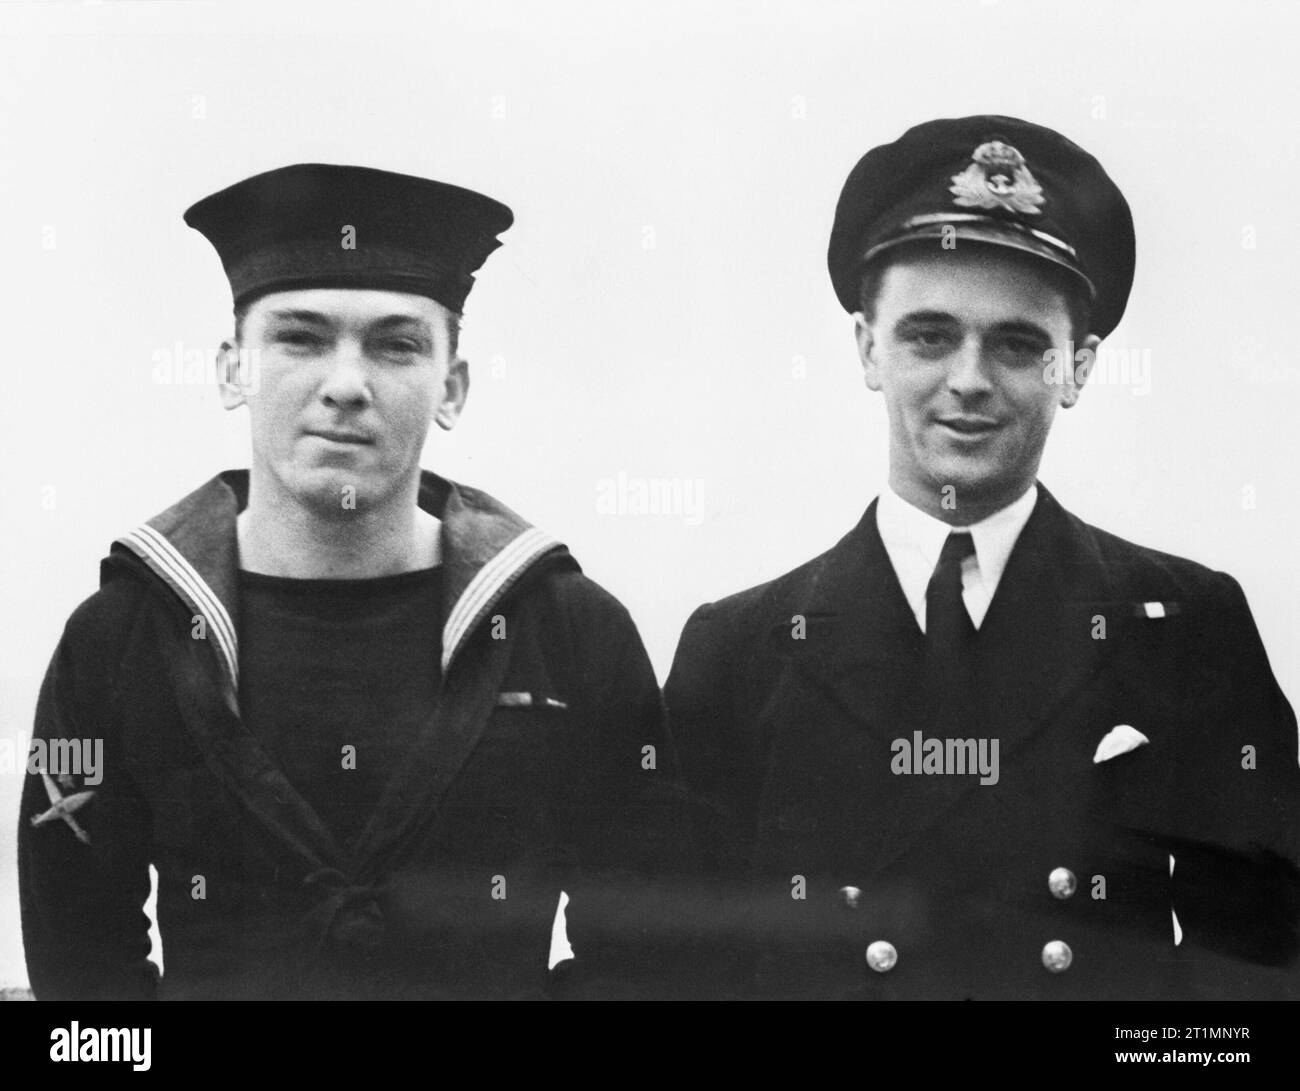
(997, 178)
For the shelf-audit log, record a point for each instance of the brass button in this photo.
(881, 956)
(1062, 883)
(1057, 956)
(851, 896)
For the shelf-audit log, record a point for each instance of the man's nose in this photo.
(347, 383)
(967, 370)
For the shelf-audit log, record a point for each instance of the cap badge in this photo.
(997, 178)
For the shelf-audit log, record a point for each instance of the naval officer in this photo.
(979, 748)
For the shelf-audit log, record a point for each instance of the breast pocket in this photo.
(526, 739)
(502, 801)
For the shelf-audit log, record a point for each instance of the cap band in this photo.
(985, 229)
(323, 263)
(971, 217)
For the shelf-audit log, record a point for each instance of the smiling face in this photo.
(348, 382)
(959, 345)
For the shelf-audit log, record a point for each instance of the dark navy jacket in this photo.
(785, 702)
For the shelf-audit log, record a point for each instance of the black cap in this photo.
(289, 229)
(994, 180)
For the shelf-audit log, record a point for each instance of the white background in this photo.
(661, 309)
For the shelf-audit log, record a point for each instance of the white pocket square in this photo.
(1119, 740)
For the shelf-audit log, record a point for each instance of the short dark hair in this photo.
(241, 312)
(1078, 300)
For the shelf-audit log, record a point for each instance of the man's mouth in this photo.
(339, 435)
(970, 426)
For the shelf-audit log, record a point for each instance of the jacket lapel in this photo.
(1037, 646)
(862, 652)
(1036, 651)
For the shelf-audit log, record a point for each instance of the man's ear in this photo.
(1085, 359)
(866, 339)
(231, 381)
(455, 391)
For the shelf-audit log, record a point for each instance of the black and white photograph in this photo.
(575, 501)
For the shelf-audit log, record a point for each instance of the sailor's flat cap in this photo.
(319, 225)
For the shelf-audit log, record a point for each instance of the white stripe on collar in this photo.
(168, 562)
(488, 584)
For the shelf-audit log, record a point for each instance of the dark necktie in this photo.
(948, 626)
(949, 633)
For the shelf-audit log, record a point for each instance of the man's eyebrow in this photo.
(1025, 329)
(380, 325)
(1010, 326)
(916, 318)
(313, 317)
(394, 321)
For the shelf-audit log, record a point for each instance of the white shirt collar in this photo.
(913, 539)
